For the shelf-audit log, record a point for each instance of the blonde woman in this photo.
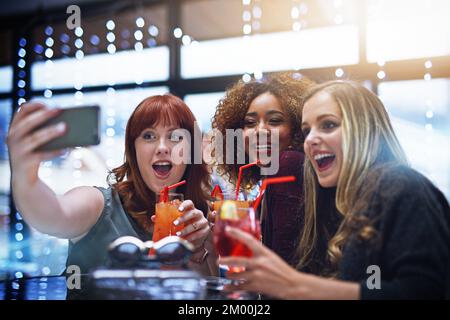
(393, 235)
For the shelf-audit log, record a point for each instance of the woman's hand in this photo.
(265, 272)
(196, 227)
(22, 140)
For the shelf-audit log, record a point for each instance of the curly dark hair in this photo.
(287, 87)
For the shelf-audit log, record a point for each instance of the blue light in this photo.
(22, 52)
(38, 49)
(95, 40)
(19, 254)
(151, 42)
(49, 42)
(125, 33)
(19, 226)
(22, 74)
(19, 236)
(79, 43)
(64, 38)
(18, 216)
(22, 42)
(18, 275)
(21, 84)
(48, 30)
(21, 63)
(65, 49)
(21, 93)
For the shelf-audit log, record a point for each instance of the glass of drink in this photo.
(232, 215)
(165, 214)
(218, 201)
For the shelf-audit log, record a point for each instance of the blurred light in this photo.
(111, 48)
(22, 74)
(48, 30)
(125, 33)
(78, 31)
(78, 86)
(186, 40)
(110, 132)
(151, 42)
(381, 74)
(256, 25)
(18, 216)
(178, 33)
(21, 84)
(79, 54)
(339, 72)
(65, 49)
(110, 37)
(140, 22)
(38, 49)
(22, 42)
(110, 25)
(257, 12)
(21, 63)
(21, 101)
(246, 15)
(22, 52)
(153, 31)
(138, 35)
(111, 112)
(247, 29)
(303, 8)
(47, 251)
(138, 46)
(428, 64)
(429, 127)
(48, 93)
(381, 63)
(19, 236)
(19, 254)
(64, 38)
(110, 121)
(19, 226)
(48, 53)
(429, 114)
(246, 78)
(79, 43)
(95, 40)
(427, 77)
(18, 275)
(21, 93)
(246, 2)
(77, 164)
(258, 75)
(295, 13)
(296, 26)
(124, 44)
(79, 95)
(49, 42)
(46, 271)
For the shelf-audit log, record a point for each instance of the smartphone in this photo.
(82, 128)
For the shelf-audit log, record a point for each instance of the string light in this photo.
(338, 20)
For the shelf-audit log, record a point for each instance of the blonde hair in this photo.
(368, 139)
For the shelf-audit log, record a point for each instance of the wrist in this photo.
(199, 256)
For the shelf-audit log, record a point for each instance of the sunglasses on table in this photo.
(130, 251)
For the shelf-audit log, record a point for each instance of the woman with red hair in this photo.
(157, 134)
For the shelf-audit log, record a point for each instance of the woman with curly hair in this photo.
(393, 234)
(272, 108)
(93, 217)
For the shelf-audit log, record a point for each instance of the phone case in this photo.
(83, 128)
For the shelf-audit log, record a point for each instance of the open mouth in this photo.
(162, 168)
(324, 160)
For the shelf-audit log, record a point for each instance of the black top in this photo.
(411, 248)
(91, 251)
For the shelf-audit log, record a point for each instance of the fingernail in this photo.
(176, 222)
(178, 233)
(180, 208)
(60, 127)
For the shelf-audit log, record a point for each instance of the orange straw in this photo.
(217, 192)
(241, 169)
(164, 193)
(268, 181)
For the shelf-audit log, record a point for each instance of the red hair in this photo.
(137, 199)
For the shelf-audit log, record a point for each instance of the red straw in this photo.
(241, 169)
(164, 193)
(217, 192)
(268, 181)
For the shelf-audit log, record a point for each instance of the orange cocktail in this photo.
(165, 214)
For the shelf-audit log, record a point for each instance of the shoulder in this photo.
(291, 163)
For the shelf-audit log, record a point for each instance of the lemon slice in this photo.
(229, 210)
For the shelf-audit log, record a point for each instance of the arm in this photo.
(269, 274)
(66, 216)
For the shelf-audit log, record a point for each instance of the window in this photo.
(6, 79)
(203, 106)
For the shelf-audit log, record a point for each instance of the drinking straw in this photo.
(164, 193)
(268, 181)
(217, 192)
(241, 169)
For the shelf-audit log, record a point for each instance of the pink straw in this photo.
(241, 169)
(268, 181)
